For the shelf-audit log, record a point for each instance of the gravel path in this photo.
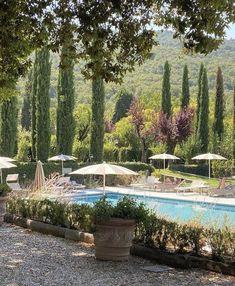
(33, 259)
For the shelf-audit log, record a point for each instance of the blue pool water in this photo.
(172, 208)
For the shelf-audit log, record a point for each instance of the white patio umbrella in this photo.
(209, 156)
(4, 164)
(39, 182)
(164, 157)
(104, 169)
(62, 158)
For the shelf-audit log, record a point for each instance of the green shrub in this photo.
(200, 170)
(4, 190)
(151, 229)
(222, 168)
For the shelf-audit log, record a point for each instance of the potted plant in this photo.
(4, 190)
(114, 227)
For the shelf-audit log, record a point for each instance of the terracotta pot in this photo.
(2, 209)
(113, 239)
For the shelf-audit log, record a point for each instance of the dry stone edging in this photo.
(184, 261)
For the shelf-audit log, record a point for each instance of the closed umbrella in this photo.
(104, 169)
(164, 157)
(209, 156)
(62, 158)
(39, 182)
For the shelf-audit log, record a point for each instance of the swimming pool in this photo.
(174, 209)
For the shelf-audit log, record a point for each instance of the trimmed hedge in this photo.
(152, 230)
(27, 170)
(200, 170)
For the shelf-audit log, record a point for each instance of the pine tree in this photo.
(122, 105)
(26, 109)
(203, 129)
(65, 120)
(97, 120)
(33, 105)
(185, 89)
(166, 92)
(218, 126)
(8, 133)
(199, 97)
(43, 105)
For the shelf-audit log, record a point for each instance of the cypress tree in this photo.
(219, 106)
(33, 105)
(185, 89)
(9, 116)
(199, 97)
(65, 121)
(43, 105)
(203, 129)
(122, 105)
(26, 109)
(166, 90)
(97, 120)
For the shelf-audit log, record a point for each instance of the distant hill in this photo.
(146, 80)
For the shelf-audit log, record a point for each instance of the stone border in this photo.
(175, 260)
(50, 229)
(186, 261)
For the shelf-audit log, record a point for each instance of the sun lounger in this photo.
(14, 186)
(228, 191)
(12, 180)
(194, 186)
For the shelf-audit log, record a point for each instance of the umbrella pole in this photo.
(62, 168)
(209, 169)
(103, 184)
(164, 166)
(1, 175)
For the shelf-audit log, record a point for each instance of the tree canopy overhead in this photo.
(110, 36)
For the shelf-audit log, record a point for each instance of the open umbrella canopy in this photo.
(62, 158)
(7, 159)
(39, 179)
(209, 156)
(4, 164)
(164, 156)
(104, 169)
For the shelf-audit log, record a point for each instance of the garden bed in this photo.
(185, 261)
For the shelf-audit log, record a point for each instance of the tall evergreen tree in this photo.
(33, 105)
(26, 109)
(203, 129)
(122, 105)
(218, 126)
(8, 133)
(65, 120)
(185, 89)
(166, 91)
(199, 97)
(97, 120)
(43, 105)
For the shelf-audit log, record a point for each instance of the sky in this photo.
(231, 32)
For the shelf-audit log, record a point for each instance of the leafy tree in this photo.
(166, 92)
(82, 117)
(8, 133)
(203, 129)
(145, 130)
(43, 105)
(26, 109)
(185, 89)
(122, 105)
(218, 126)
(199, 97)
(65, 120)
(97, 120)
(175, 129)
(33, 104)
